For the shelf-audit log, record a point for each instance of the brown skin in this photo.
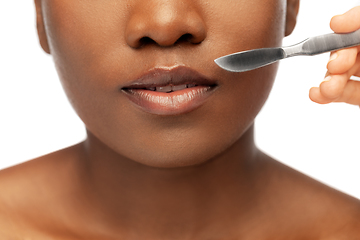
(197, 175)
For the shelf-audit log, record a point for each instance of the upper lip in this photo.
(177, 75)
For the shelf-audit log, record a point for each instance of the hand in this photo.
(337, 85)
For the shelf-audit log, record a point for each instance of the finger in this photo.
(351, 93)
(333, 85)
(347, 22)
(316, 96)
(342, 61)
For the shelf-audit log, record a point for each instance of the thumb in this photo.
(347, 22)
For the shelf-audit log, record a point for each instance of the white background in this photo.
(322, 141)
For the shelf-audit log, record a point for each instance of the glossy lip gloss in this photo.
(170, 91)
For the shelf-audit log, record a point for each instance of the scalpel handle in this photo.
(330, 42)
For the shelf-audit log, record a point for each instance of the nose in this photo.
(165, 23)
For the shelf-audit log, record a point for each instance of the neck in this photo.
(172, 201)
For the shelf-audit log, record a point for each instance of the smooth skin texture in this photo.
(192, 176)
(343, 64)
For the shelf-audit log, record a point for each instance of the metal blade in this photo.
(252, 59)
(249, 60)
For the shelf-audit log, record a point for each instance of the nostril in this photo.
(145, 41)
(185, 38)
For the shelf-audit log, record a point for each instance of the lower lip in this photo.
(172, 103)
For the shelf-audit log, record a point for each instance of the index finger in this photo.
(347, 22)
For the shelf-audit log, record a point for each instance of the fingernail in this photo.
(327, 79)
(333, 57)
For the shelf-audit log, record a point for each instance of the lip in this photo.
(171, 103)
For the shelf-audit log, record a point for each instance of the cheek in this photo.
(84, 36)
(239, 26)
(244, 97)
(242, 25)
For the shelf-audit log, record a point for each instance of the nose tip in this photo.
(165, 26)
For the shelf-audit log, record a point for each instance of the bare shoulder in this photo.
(27, 189)
(316, 209)
(342, 219)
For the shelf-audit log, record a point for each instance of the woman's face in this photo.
(111, 55)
